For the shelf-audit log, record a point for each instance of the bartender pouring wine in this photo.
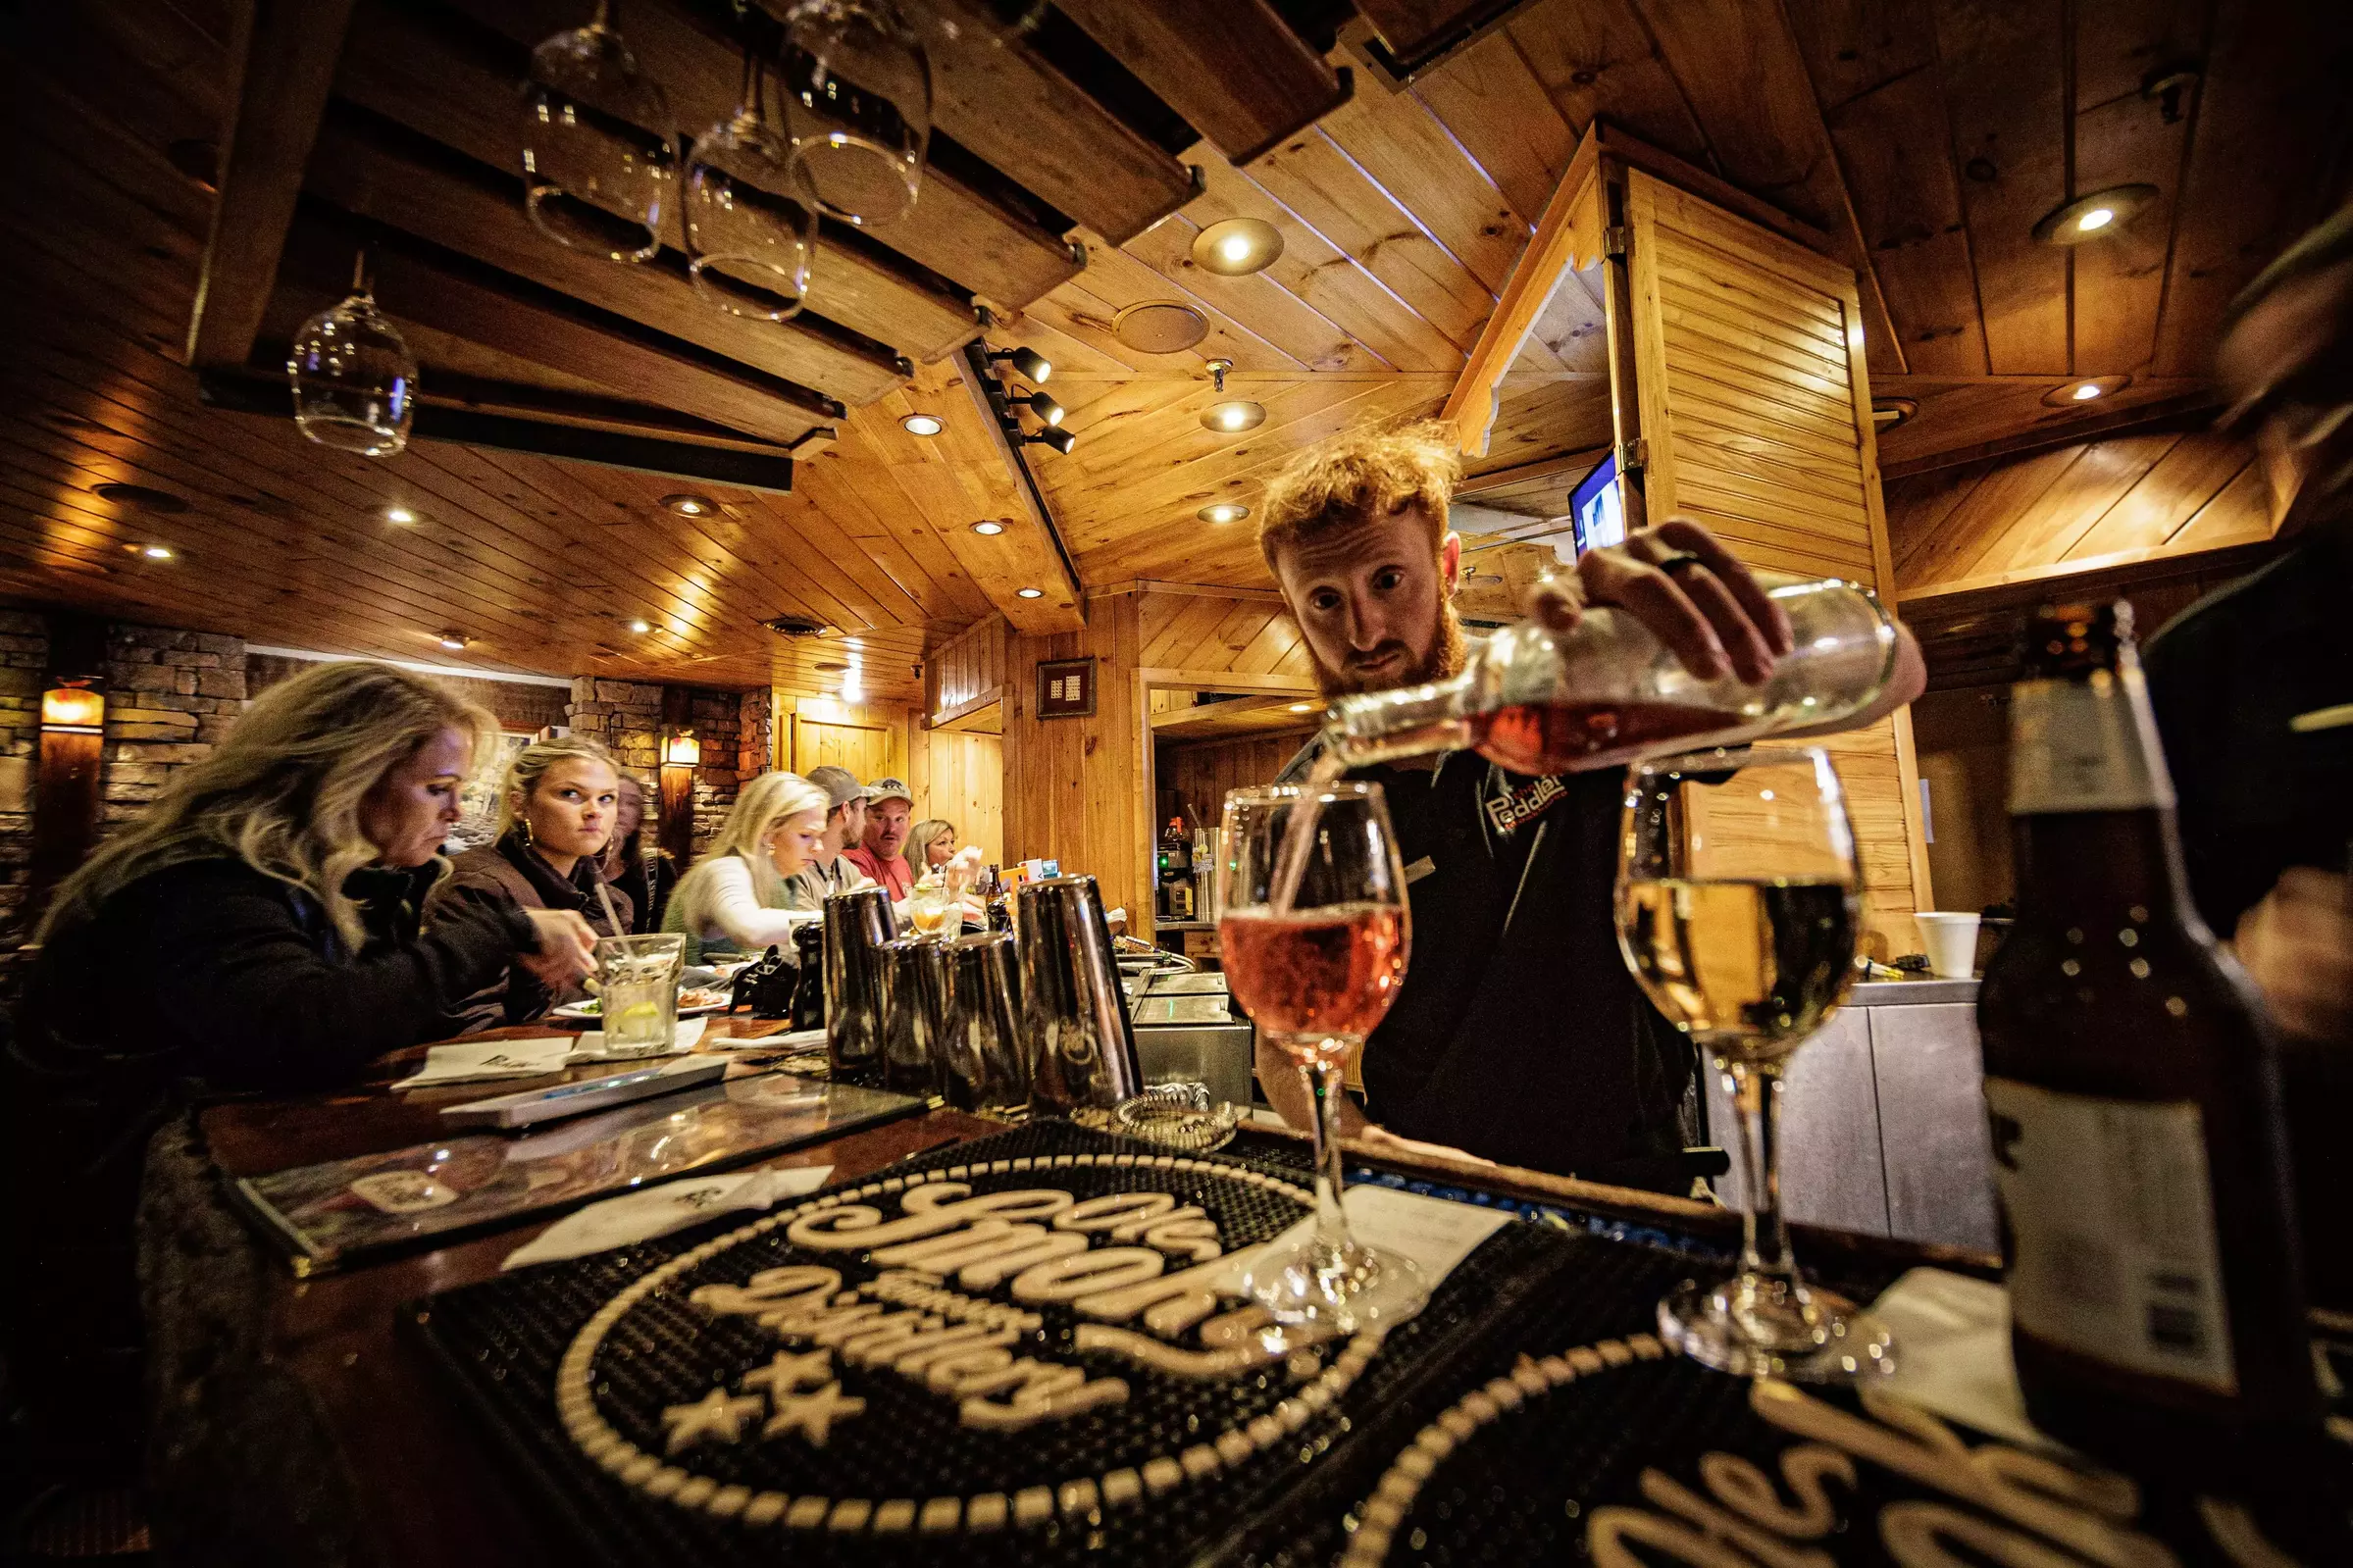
(1519, 1035)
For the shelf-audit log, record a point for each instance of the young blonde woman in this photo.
(735, 899)
(256, 929)
(556, 811)
(931, 844)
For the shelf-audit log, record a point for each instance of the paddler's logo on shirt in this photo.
(1524, 804)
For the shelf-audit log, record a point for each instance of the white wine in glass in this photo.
(1313, 934)
(1738, 909)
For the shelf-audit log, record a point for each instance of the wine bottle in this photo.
(2132, 1080)
(1608, 690)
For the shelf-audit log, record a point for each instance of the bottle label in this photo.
(2085, 745)
(2112, 1230)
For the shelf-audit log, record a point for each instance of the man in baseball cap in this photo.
(889, 811)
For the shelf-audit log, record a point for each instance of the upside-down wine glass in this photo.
(857, 85)
(751, 234)
(1313, 933)
(599, 146)
(1738, 904)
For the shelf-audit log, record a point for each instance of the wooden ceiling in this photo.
(1923, 139)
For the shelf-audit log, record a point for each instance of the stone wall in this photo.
(24, 658)
(520, 707)
(756, 735)
(171, 697)
(718, 730)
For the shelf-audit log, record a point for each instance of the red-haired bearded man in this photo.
(1518, 1036)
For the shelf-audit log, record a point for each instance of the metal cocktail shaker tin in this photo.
(983, 1051)
(1083, 1048)
(914, 1013)
(856, 990)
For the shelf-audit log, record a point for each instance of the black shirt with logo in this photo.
(1519, 1034)
(2253, 691)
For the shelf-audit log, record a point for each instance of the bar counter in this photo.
(302, 1424)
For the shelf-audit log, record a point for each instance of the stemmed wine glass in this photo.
(857, 84)
(1313, 933)
(599, 146)
(1738, 904)
(750, 236)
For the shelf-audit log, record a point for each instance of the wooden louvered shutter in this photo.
(1756, 415)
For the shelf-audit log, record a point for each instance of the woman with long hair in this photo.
(643, 871)
(735, 899)
(256, 929)
(556, 812)
(931, 844)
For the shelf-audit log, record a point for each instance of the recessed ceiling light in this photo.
(923, 424)
(1303, 707)
(399, 513)
(156, 552)
(640, 627)
(1237, 413)
(690, 505)
(1223, 512)
(1234, 248)
(2091, 389)
(2095, 215)
(1029, 594)
(988, 528)
(454, 641)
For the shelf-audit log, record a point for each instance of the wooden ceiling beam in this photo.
(546, 329)
(377, 171)
(444, 78)
(282, 57)
(1004, 103)
(954, 231)
(1062, 606)
(1232, 68)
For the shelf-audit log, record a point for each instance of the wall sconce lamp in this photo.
(683, 750)
(74, 710)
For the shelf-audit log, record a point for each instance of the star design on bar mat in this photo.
(812, 1414)
(717, 1415)
(788, 1374)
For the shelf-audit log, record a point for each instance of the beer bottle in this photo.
(2132, 1080)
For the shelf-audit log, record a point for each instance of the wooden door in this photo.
(1756, 412)
(864, 749)
(959, 777)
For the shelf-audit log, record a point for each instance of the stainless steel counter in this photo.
(1883, 1118)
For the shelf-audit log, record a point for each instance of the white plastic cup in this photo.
(1952, 944)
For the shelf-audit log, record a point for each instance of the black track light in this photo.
(1028, 364)
(1061, 440)
(1044, 406)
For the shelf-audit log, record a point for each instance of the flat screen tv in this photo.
(1594, 506)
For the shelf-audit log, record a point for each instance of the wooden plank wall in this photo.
(1757, 407)
(1194, 775)
(2097, 504)
(1074, 788)
(961, 777)
(967, 672)
(870, 739)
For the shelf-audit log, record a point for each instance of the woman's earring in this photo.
(528, 839)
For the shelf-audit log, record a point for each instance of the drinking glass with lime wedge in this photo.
(638, 979)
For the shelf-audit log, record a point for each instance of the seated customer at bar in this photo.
(931, 844)
(734, 901)
(828, 871)
(555, 812)
(889, 807)
(255, 930)
(641, 869)
(1519, 1035)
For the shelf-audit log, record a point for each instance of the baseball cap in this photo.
(839, 784)
(883, 789)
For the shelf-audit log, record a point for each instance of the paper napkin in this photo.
(683, 1037)
(658, 1211)
(479, 1061)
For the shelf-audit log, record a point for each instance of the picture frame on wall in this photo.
(1066, 688)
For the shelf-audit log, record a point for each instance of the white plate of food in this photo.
(692, 1002)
